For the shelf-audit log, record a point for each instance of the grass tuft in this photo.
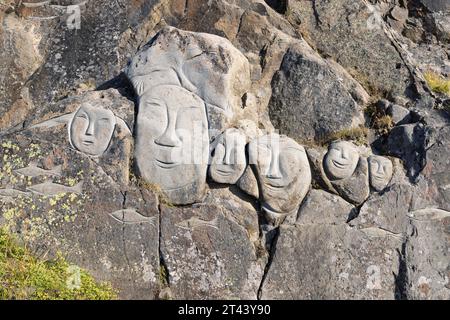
(24, 277)
(437, 83)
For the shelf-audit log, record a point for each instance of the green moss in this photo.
(22, 276)
(356, 134)
(437, 83)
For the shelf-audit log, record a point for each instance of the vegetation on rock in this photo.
(437, 83)
(25, 277)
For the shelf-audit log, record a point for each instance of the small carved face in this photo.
(228, 161)
(283, 172)
(341, 160)
(172, 138)
(91, 129)
(380, 172)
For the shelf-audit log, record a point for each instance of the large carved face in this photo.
(283, 172)
(341, 160)
(91, 129)
(380, 172)
(228, 160)
(172, 140)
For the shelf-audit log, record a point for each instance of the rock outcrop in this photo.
(231, 149)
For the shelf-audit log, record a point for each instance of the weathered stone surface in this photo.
(332, 262)
(436, 5)
(321, 207)
(69, 180)
(353, 34)
(20, 57)
(208, 254)
(64, 202)
(408, 143)
(437, 169)
(387, 211)
(312, 99)
(427, 255)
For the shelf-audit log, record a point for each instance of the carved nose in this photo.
(380, 169)
(90, 129)
(228, 158)
(168, 139)
(274, 168)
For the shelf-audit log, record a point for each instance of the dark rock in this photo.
(310, 100)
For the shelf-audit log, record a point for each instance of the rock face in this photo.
(427, 259)
(208, 254)
(312, 99)
(231, 149)
(353, 33)
(322, 261)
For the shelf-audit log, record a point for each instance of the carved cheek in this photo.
(104, 131)
(78, 127)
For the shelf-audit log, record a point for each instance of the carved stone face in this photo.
(283, 172)
(341, 160)
(91, 129)
(228, 161)
(380, 172)
(172, 141)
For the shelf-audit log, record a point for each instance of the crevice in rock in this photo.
(316, 14)
(164, 275)
(279, 6)
(401, 279)
(271, 247)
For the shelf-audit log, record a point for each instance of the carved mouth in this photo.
(340, 165)
(87, 142)
(224, 172)
(166, 165)
(378, 177)
(275, 187)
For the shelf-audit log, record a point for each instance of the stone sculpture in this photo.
(205, 64)
(91, 129)
(380, 172)
(228, 160)
(172, 142)
(341, 160)
(283, 174)
(186, 84)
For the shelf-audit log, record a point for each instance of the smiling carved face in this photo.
(172, 138)
(380, 172)
(91, 129)
(228, 160)
(283, 172)
(341, 160)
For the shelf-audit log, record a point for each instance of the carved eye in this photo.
(104, 119)
(82, 116)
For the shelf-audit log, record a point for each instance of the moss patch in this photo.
(357, 134)
(437, 83)
(22, 276)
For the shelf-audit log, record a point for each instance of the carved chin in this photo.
(274, 215)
